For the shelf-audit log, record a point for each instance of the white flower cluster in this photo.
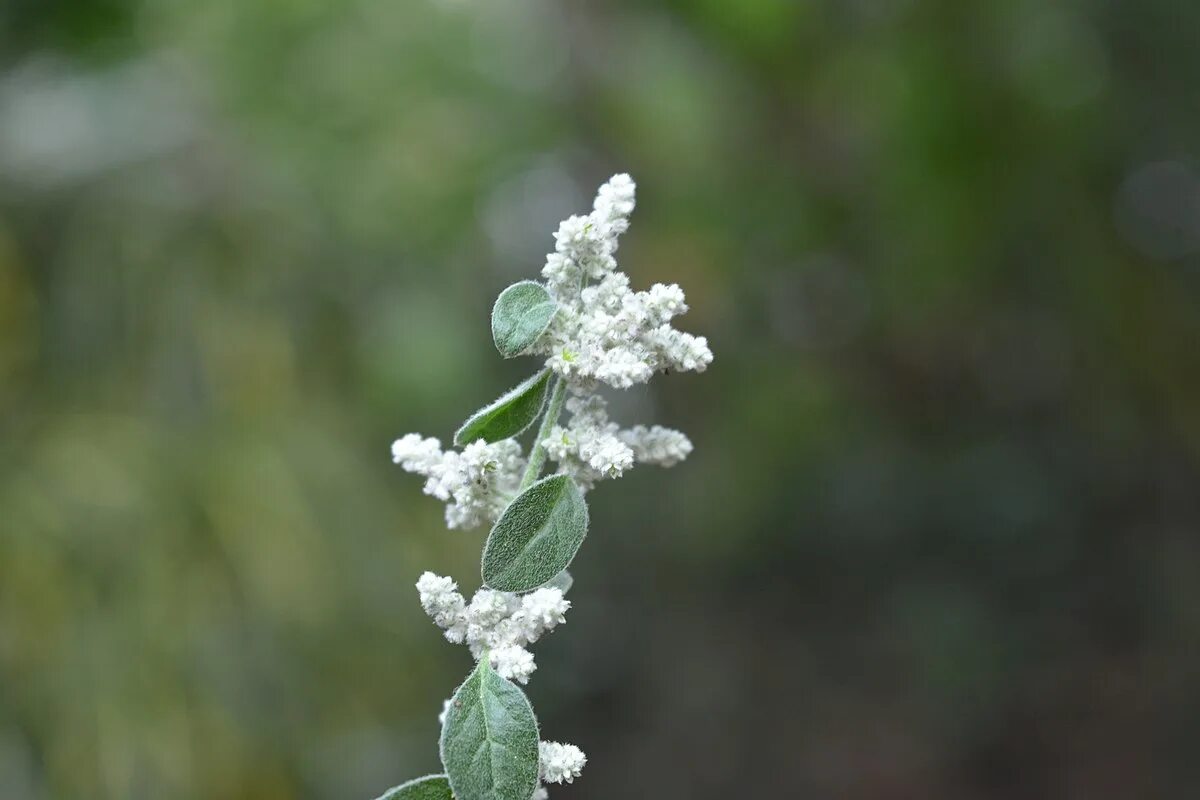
(476, 484)
(499, 623)
(560, 763)
(590, 447)
(607, 332)
(601, 333)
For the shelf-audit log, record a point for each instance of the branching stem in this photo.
(537, 456)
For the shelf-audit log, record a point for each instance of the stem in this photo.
(537, 456)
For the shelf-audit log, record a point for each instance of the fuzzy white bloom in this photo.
(445, 606)
(657, 445)
(664, 302)
(541, 610)
(560, 763)
(680, 351)
(607, 332)
(513, 662)
(540, 793)
(590, 448)
(476, 484)
(500, 623)
(614, 202)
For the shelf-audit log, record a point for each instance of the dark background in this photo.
(938, 538)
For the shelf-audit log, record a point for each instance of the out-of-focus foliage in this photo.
(939, 537)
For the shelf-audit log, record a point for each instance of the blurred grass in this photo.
(938, 537)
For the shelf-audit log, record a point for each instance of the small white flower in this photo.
(488, 607)
(657, 445)
(620, 367)
(680, 351)
(663, 303)
(476, 484)
(416, 454)
(541, 611)
(561, 273)
(590, 448)
(615, 201)
(607, 455)
(500, 623)
(560, 763)
(513, 662)
(443, 603)
(607, 332)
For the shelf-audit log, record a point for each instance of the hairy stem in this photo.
(537, 456)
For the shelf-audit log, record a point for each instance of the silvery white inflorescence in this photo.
(601, 332)
(498, 623)
(476, 484)
(607, 332)
(560, 763)
(590, 447)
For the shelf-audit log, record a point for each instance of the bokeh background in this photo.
(939, 537)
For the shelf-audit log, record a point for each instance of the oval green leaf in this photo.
(489, 740)
(522, 313)
(536, 537)
(507, 416)
(431, 787)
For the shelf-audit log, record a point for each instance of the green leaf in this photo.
(489, 740)
(512, 413)
(522, 313)
(536, 537)
(431, 787)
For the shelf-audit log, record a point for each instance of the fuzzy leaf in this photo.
(522, 313)
(431, 787)
(507, 416)
(536, 537)
(489, 741)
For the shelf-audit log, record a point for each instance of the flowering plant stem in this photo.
(537, 456)
(592, 329)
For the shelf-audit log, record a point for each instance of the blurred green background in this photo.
(939, 537)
